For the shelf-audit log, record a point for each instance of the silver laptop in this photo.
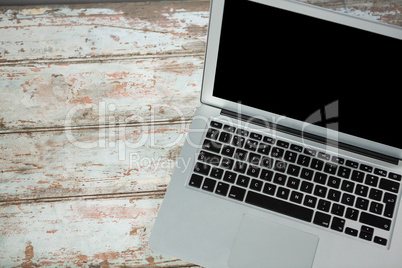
(294, 157)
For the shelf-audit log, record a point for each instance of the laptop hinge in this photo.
(312, 137)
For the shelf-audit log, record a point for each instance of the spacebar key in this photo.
(279, 206)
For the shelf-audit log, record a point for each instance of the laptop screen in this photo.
(311, 70)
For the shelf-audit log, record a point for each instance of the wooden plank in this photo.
(81, 233)
(385, 11)
(89, 162)
(95, 31)
(131, 91)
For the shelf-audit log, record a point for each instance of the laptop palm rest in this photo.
(261, 243)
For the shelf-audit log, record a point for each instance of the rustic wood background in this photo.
(95, 100)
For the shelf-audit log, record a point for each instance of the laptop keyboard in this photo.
(329, 191)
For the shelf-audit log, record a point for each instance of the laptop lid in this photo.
(309, 70)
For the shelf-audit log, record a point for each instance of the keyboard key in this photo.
(303, 160)
(253, 158)
(209, 158)
(225, 137)
(212, 146)
(279, 179)
(195, 181)
(344, 172)
(283, 193)
(280, 166)
(337, 224)
(320, 178)
(375, 194)
(277, 152)
(293, 170)
(296, 148)
(338, 209)
(380, 240)
(324, 205)
(243, 181)
(212, 134)
(320, 191)
(290, 156)
(357, 176)
(310, 201)
(348, 186)
(238, 141)
(202, 168)
(256, 185)
(268, 140)
(390, 202)
(352, 214)
(334, 182)
(237, 193)
(322, 219)
(334, 195)
(366, 168)
(253, 171)
(241, 155)
(229, 176)
(310, 152)
(330, 168)
(317, 164)
(395, 176)
(264, 148)
(296, 197)
(348, 199)
(361, 190)
(240, 167)
(376, 208)
(279, 206)
(269, 188)
(293, 183)
(389, 185)
(324, 156)
(307, 187)
(255, 136)
(375, 221)
(351, 231)
(362, 203)
(282, 144)
(307, 174)
(222, 188)
(227, 163)
(229, 128)
(209, 185)
(352, 164)
(228, 150)
(266, 175)
(251, 145)
(216, 173)
(242, 132)
(338, 160)
(380, 172)
(216, 124)
(267, 162)
(371, 180)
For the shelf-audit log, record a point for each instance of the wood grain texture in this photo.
(89, 162)
(95, 102)
(123, 91)
(81, 233)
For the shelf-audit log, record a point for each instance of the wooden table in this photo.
(95, 100)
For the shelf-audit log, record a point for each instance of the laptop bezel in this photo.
(211, 55)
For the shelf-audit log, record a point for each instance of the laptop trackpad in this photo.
(261, 243)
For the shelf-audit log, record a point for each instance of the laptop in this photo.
(293, 158)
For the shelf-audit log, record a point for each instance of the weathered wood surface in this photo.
(95, 100)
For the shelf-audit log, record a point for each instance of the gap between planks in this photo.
(96, 59)
(156, 194)
(171, 121)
